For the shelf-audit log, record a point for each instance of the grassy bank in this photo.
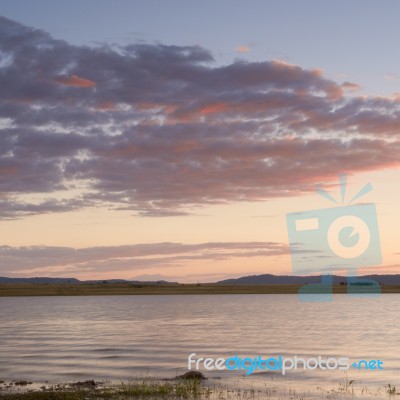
(199, 389)
(146, 389)
(84, 289)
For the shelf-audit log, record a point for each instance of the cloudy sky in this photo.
(170, 139)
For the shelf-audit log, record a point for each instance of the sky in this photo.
(169, 140)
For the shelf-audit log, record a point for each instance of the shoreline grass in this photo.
(145, 389)
(174, 389)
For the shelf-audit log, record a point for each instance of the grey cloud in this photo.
(163, 129)
(130, 257)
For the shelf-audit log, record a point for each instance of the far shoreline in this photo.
(106, 289)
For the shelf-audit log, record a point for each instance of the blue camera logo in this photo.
(335, 239)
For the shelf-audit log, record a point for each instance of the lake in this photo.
(122, 337)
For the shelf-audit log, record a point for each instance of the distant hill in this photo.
(58, 281)
(39, 280)
(268, 279)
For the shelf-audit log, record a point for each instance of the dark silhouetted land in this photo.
(97, 289)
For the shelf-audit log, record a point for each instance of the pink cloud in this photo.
(75, 80)
(353, 87)
(37, 259)
(242, 49)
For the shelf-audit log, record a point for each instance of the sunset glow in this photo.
(153, 159)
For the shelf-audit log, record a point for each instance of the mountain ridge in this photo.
(43, 280)
(264, 279)
(269, 279)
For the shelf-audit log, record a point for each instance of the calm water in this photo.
(120, 337)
